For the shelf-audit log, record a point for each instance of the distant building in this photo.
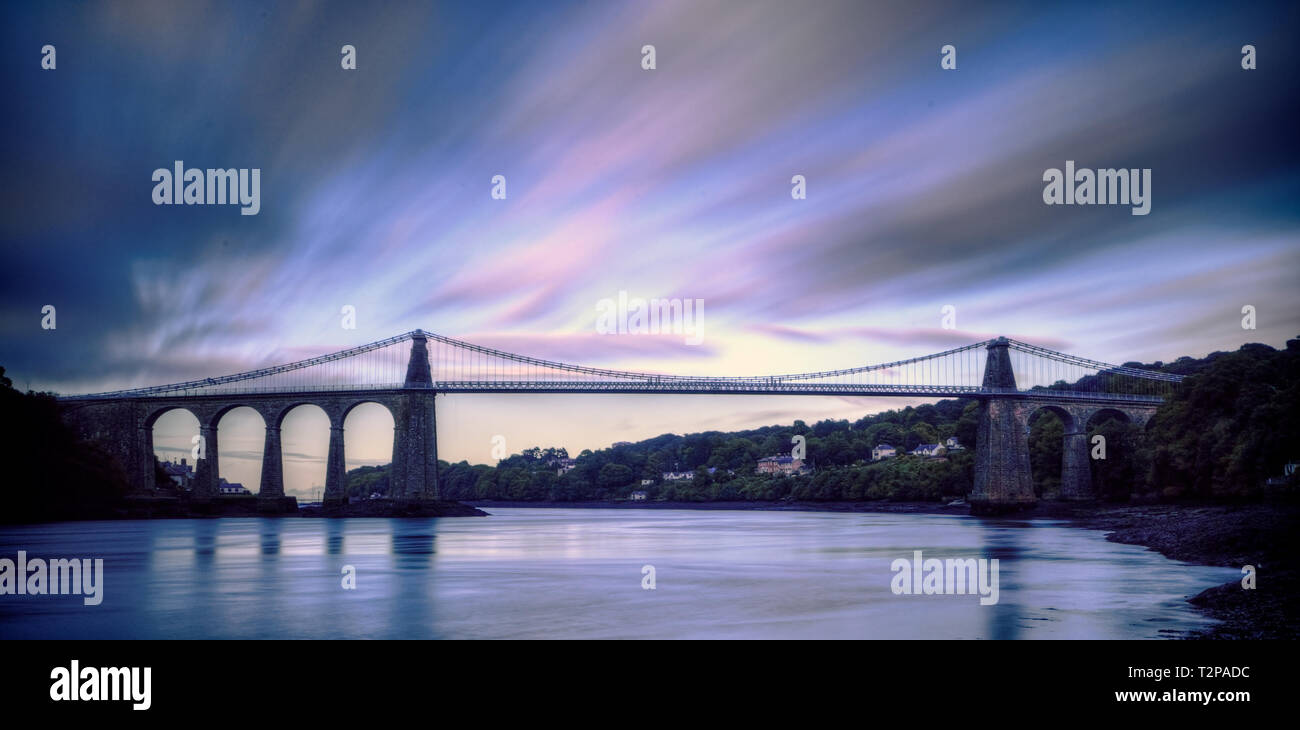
(565, 465)
(638, 496)
(952, 444)
(779, 465)
(883, 451)
(929, 450)
(647, 482)
(182, 474)
(677, 476)
(226, 487)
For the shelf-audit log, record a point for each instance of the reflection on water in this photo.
(578, 573)
(334, 537)
(1003, 544)
(271, 537)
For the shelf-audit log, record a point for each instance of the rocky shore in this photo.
(1263, 535)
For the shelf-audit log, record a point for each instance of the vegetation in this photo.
(54, 475)
(1232, 424)
(723, 464)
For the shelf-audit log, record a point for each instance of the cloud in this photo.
(924, 186)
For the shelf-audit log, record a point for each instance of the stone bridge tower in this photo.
(1003, 480)
(414, 474)
(1002, 477)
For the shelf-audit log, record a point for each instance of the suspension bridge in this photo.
(1011, 379)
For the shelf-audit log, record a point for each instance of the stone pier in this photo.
(1002, 478)
(124, 427)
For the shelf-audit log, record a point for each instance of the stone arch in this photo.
(350, 406)
(1068, 417)
(220, 411)
(219, 416)
(281, 410)
(1114, 468)
(1065, 463)
(183, 479)
(1096, 415)
(299, 437)
(155, 412)
(364, 434)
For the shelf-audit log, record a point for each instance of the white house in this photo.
(883, 451)
(953, 444)
(226, 487)
(929, 450)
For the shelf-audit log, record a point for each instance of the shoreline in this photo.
(895, 507)
(1265, 535)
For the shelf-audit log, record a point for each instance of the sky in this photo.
(924, 189)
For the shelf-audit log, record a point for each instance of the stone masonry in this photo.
(125, 428)
(1003, 481)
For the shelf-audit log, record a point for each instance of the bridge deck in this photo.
(648, 387)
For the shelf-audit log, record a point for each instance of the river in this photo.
(582, 573)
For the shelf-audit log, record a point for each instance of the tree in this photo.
(56, 474)
(613, 476)
(1046, 443)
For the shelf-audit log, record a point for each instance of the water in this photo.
(577, 573)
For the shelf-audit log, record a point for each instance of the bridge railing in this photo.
(244, 390)
(457, 366)
(651, 386)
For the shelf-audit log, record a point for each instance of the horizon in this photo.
(924, 223)
(180, 424)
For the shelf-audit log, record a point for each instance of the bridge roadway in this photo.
(124, 425)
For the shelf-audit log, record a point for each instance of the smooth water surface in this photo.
(578, 573)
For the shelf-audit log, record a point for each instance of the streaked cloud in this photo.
(924, 187)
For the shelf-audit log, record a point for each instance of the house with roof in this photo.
(883, 451)
(180, 473)
(779, 465)
(231, 488)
